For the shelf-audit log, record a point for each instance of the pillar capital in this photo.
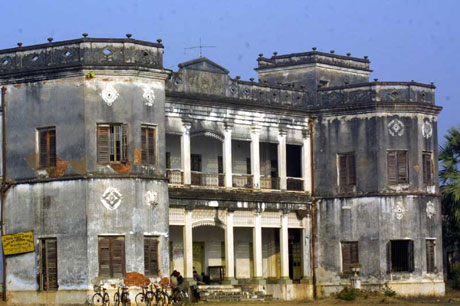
(306, 133)
(255, 130)
(282, 132)
(186, 125)
(228, 125)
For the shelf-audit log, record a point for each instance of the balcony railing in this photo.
(294, 183)
(175, 176)
(268, 182)
(207, 179)
(242, 180)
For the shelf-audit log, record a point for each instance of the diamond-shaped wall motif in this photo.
(399, 211)
(111, 198)
(109, 95)
(396, 127)
(427, 129)
(149, 96)
(151, 198)
(430, 209)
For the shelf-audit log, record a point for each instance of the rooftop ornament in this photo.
(376, 80)
(159, 40)
(261, 54)
(238, 77)
(348, 54)
(366, 57)
(275, 53)
(332, 51)
(129, 35)
(314, 48)
(50, 39)
(84, 35)
(251, 79)
(19, 44)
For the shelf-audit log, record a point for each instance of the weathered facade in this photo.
(290, 185)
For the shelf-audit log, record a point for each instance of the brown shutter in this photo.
(354, 254)
(410, 254)
(144, 144)
(43, 149)
(351, 170)
(343, 170)
(118, 256)
(392, 168)
(103, 140)
(151, 256)
(430, 256)
(402, 167)
(427, 169)
(124, 141)
(151, 145)
(48, 275)
(346, 257)
(104, 257)
(52, 147)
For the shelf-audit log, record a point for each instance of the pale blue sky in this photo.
(405, 40)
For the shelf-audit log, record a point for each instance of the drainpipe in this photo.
(4, 186)
(313, 215)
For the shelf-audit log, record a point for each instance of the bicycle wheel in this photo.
(116, 299)
(106, 299)
(125, 299)
(179, 298)
(150, 298)
(97, 300)
(140, 299)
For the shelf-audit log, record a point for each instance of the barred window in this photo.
(401, 255)
(398, 172)
(47, 147)
(427, 168)
(112, 256)
(347, 172)
(48, 264)
(112, 143)
(149, 144)
(151, 256)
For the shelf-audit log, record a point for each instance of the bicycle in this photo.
(100, 298)
(178, 297)
(146, 297)
(121, 297)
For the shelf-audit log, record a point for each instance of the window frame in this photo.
(427, 172)
(111, 251)
(145, 151)
(350, 169)
(410, 256)
(148, 262)
(51, 157)
(397, 180)
(43, 277)
(346, 268)
(102, 149)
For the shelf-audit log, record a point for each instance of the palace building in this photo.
(307, 180)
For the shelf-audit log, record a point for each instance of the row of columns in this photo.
(255, 157)
(257, 247)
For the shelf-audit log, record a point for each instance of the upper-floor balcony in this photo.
(206, 159)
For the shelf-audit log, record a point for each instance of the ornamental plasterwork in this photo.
(111, 198)
(151, 198)
(396, 127)
(149, 96)
(399, 210)
(430, 209)
(109, 94)
(427, 129)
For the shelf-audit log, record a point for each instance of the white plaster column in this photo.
(255, 158)
(185, 153)
(229, 252)
(306, 161)
(306, 248)
(282, 159)
(227, 156)
(284, 246)
(188, 245)
(257, 245)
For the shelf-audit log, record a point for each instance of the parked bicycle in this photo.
(178, 297)
(121, 297)
(147, 297)
(100, 297)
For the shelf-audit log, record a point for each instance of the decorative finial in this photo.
(432, 83)
(238, 77)
(129, 35)
(366, 57)
(314, 48)
(375, 80)
(261, 54)
(159, 40)
(19, 44)
(332, 51)
(50, 39)
(275, 53)
(84, 35)
(348, 54)
(251, 79)
(412, 81)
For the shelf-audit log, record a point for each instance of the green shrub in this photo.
(456, 276)
(387, 291)
(348, 294)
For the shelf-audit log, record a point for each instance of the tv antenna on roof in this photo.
(198, 47)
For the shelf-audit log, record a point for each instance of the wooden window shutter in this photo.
(392, 168)
(151, 256)
(346, 257)
(427, 169)
(124, 143)
(354, 254)
(430, 256)
(343, 170)
(389, 259)
(51, 264)
(118, 256)
(104, 257)
(410, 254)
(144, 144)
(402, 167)
(43, 148)
(103, 143)
(351, 169)
(151, 145)
(52, 148)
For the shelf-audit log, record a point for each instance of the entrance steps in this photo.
(229, 293)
